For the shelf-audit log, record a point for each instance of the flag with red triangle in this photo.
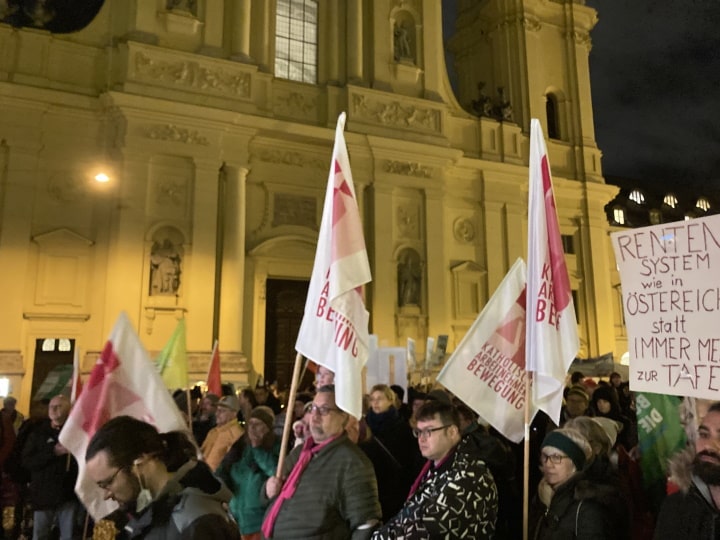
(214, 380)
(487, 369)
(124, 381)
(552, 338)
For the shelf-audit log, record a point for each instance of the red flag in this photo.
(123, 382)
(552, 339)
(334, 330)
(213, 377)
(77, 384)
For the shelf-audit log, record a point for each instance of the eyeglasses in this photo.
(322, 410)
(105, 484)
(555, 459)
(425, 433)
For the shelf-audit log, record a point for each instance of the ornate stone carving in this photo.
(395, 114)
(582, 38)
(531, 24)
(407, 221)
(294, 210)
(166, 260)
(170, 132)
(287, 158)
(409, 278)
(64, 187)
(408, 168)
(464, 230)
(295, 104)
(193, 75)
(169, 191)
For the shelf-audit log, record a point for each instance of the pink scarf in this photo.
(309, 450)
(428, 465)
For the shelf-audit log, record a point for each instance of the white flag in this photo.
(552, 339)
(487, 370)
(334, 329)
(123, 382)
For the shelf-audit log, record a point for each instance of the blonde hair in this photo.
(386, 390)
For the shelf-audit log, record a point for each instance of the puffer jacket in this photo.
(191, 506)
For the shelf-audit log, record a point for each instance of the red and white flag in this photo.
(77, 384)
(487, 369)
(334, 330)
(213, 379)
(124, 381)
(552, 339)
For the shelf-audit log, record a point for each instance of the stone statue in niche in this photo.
(183, 5)
(401, 41)
(165, 269)
(409, 279)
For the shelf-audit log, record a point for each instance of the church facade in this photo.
(214, 120)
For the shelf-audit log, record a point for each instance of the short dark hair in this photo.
(399, 391)
(714, 407)
(125, 439)
(576, 377)
(447, 412)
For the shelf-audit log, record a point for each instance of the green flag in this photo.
(172, 361)
(660, 436)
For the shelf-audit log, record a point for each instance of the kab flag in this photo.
(487, 370)
(552, 340)
(213, 379)
(172, 361)
(334, 329)
(123, 382)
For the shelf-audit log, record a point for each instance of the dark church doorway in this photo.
(52, 374)
(285, 305)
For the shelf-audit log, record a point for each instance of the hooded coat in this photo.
(191, 506)
(690, 512)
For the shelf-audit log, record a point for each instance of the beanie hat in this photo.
(567, 445)
(264, 414)
(610, 427)
(229, 402)
(579, 390)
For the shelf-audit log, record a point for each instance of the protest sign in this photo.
(671, 301)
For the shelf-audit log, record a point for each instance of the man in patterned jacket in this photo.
(454, 496)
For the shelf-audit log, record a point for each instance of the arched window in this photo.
(296, 40)
(671, 200)
(637, 196)
(551, 111)
(619, 215)
(703, 204)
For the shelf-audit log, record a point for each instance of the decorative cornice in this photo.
(192, 75)
(171, 132)
(287, 157)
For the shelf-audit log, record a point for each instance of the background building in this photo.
(214, 121)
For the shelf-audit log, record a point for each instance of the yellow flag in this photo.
(172, 362)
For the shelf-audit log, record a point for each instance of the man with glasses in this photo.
(328, 487)
(454, 496)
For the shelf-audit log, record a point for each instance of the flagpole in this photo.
(289, 408)
(526, 455)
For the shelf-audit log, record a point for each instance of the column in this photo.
(240, 42)
(354, 42)
(213, 29)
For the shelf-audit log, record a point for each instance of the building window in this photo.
(568, 242)
(48, 345)
(619, 215)
(671, 200)
(296, 40)
(551, 111)
(703, 204)
(637, 196)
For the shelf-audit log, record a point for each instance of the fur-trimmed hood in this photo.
(680, 469)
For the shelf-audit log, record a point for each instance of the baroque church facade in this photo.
(214, 119)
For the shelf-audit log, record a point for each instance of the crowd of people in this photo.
(421, 468)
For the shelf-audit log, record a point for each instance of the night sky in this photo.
(655, 73)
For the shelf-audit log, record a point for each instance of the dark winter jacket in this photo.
(457, 499)
(191, 506)
(52, 477)
(690, 513)
(583, 508)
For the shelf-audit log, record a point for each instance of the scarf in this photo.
(426, 468)
(309, 450)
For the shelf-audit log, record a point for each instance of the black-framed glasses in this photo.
(322, 410)
(105, 484)
(555, 459)
(425, 433)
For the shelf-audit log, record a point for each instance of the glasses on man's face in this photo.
(555, 459)
(105, 484)
(322, 410)
(425, 433)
